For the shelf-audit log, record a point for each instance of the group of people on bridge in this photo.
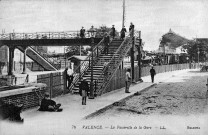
(112, 31)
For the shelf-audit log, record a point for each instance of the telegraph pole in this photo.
(124, 15)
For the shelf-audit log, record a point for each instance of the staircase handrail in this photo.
(110, 62)
(46, 58)
(85, 64)
(43, 35)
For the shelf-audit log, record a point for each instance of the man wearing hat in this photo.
(49, 105)
(83, 90)
(106, 43)
(113, 31)
(123, 31)
(131, 29)
(69, 76)
(82, 32)
(152, 73)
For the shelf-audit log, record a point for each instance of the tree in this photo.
(75, 50)
(193, 47)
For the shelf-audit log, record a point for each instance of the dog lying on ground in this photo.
(10, 111)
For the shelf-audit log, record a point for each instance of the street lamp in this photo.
(139, 46)
(65, 55)
(92, 33)
(198, 55)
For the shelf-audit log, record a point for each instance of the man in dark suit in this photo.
(113, 31)
(106, 43)
(131, 29)
(83, 90)
(82, 32)
(152, 73)
(49, 105)
(123, 31)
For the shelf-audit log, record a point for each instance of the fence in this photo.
(118, 80)
(56, 83)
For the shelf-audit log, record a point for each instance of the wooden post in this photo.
(65, 82)
(24, 61)
(207, 84)
(11, 60)
(51, 84)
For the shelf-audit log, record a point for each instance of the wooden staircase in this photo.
(98, 66)
(118, 49)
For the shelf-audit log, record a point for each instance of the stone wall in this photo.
(29, 97)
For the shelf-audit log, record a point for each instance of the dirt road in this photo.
(178, 103)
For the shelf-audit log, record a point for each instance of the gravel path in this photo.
(183, 94)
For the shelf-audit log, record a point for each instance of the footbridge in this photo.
(26, 41)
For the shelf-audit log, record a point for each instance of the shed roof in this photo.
(78, 57)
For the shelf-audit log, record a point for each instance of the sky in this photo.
(152, 17)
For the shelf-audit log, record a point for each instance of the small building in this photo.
(76, 60)
(171, 47)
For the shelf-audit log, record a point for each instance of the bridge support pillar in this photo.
(11, 60)
(24, 61)
(139, 57)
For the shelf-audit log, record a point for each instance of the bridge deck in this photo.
(49, 42)
(67, 38)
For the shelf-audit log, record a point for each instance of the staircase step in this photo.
(98, 66)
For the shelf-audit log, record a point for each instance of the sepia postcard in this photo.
(100, 67)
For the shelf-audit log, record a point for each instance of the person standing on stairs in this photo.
(127, 80)
(131, 29)
(106, 43)
(123, 31)
(113, 31)
(84, 90)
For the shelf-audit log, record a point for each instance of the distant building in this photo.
(170, 41)
(171, 47)
(76, 60)
(41, 49)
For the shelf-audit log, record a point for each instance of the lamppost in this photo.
(139, 46)
(164, 54)
(92, 33)
(198, 55)
(65, 55)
